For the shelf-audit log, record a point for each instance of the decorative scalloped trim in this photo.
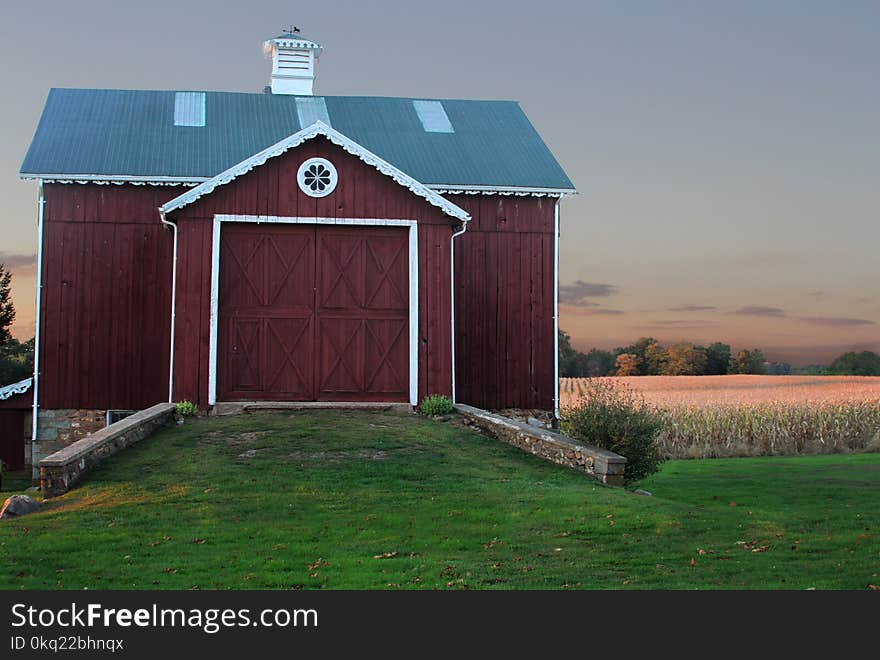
(506, 193)
(20, 387)
(337, 138)
(105, 182)
(295, 42)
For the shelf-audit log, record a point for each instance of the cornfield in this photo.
(717, 416)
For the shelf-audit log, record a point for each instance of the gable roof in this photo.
(337, 138)
(131, 135)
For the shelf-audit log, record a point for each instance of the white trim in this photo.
(173, 307)
(215, 297)
(337, 138)
(118, 179)
(161, 180)
(556, 310)
(413, 313)
(361, 222)
(452, 299)
(41, 202)
(466, 189)
(20, 387)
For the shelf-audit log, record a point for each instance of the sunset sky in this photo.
(727, 154)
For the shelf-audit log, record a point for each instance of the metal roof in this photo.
(132, 133)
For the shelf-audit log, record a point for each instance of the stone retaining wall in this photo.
(606, 466)
(60, 427)
(61, 470)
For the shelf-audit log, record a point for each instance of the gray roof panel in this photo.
(133, 133)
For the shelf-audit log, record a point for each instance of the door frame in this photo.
(219, 219)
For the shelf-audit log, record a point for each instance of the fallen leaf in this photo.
(386, 555)
(198, 541)
(873, 587)
(693, 562)
(700, 551)
(170, 570)
(731, 503)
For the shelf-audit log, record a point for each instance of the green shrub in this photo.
(436, 404)
(186, 408)
(612, 417)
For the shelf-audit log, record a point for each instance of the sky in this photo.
(726, 155)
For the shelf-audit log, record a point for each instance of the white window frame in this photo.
(412, 225)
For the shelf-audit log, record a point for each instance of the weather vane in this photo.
(291, 30)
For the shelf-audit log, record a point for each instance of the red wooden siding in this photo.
(12, 439)
(504, 303)
(271, 189)
(107, 287)
(106, 300)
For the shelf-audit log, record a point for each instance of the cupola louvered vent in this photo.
(294, 58)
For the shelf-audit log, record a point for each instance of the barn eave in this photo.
(298, 138)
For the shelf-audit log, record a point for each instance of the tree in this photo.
(779, 369)
(596, 363)
(717, 359)
(638, 349)
(866, 363)
(685, 359)
(567, 357)
(7, 309)
(627, 364)
(656, 358)
(16, 361)
(748, 362)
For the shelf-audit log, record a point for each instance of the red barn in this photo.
(282, 246)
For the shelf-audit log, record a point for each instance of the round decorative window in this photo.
(317, 177)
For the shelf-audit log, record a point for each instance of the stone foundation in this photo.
(606, 466)
(63, 469)
(61, 427)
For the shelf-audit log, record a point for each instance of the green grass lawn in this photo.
(328, 499)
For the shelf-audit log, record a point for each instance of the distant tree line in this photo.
(648, 357)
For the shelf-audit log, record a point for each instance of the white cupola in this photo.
(294, 58)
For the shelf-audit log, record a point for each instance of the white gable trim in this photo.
(337, 138)
(20, 387)
(117, 179)
(517, 191)
(160, 180)
(411, 225)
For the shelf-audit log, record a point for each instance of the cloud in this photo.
(693, 308)
(606, 310)
(19, 263)
(835, 321)
(681, 323)
(577, 292)
(757, 310)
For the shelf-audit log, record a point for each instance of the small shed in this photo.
(16, 403)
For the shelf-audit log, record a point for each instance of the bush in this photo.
(186, 408)
(436, 404)
(612, 417)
